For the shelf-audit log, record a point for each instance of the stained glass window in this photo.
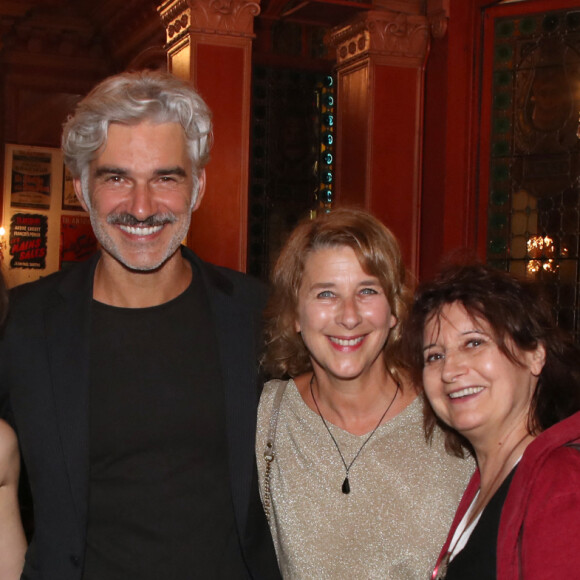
(533, 220)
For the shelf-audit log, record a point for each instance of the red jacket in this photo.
(539, 529)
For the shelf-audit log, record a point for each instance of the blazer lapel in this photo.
(68, 330)
(236, 337)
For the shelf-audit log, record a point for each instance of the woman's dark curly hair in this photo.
(519, 314)
(379, 255)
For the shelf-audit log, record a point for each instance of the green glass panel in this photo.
(527, 25)
(502, 101)
(502, 78)
(501, 125)
(497, 220)
(501, 172)
(500, 149)
(497, 245)
(503, 52)
(504, 28)
(499, 197)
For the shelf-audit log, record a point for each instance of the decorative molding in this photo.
(438, 16)
(176, 18)
(381, 33)
(438, 22)
(229, 17)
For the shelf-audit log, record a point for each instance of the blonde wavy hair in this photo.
(379, 255)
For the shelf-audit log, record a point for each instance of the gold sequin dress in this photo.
(393, 523)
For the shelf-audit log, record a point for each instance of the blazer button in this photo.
(75, 560)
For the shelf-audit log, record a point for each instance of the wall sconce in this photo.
(542, 251)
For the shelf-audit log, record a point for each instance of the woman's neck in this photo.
(497, 459)
(355, 406)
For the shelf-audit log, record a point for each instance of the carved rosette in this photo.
(176, 18)
(381, 33)
(438, 22)
(229, 17)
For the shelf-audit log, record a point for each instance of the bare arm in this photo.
(12, 540)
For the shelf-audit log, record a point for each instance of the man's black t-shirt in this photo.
(160, 504)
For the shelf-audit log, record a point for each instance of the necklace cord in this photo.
(346, 485)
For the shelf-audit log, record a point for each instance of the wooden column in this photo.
(209, 43)
(381, 57)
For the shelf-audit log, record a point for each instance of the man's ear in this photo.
(79, 192)
(200, 189)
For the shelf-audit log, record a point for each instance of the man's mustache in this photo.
(127, 219)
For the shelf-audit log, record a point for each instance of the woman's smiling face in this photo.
(343, 314)
(471, 384)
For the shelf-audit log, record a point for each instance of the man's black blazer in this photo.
(44, 376)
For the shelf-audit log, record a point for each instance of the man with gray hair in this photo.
(132, 378)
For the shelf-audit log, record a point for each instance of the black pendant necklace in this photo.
(345, 483)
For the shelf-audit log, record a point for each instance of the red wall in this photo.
(218, 231)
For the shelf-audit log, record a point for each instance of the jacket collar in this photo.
(68, 324)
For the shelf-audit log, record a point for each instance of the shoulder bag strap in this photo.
(269, 451)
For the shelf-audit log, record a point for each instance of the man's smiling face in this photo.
(141, 191)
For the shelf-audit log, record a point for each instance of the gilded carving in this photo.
(382, 32)
(232, 17)
(178, 25)
(225, 16)
(176, 17)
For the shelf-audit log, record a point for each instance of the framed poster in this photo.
(45, 226)
(77, 241)
(30, 171)
(27, 242)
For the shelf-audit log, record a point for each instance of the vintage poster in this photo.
(27, 242)
(30, 179)
(69, 198)
(77, 241)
